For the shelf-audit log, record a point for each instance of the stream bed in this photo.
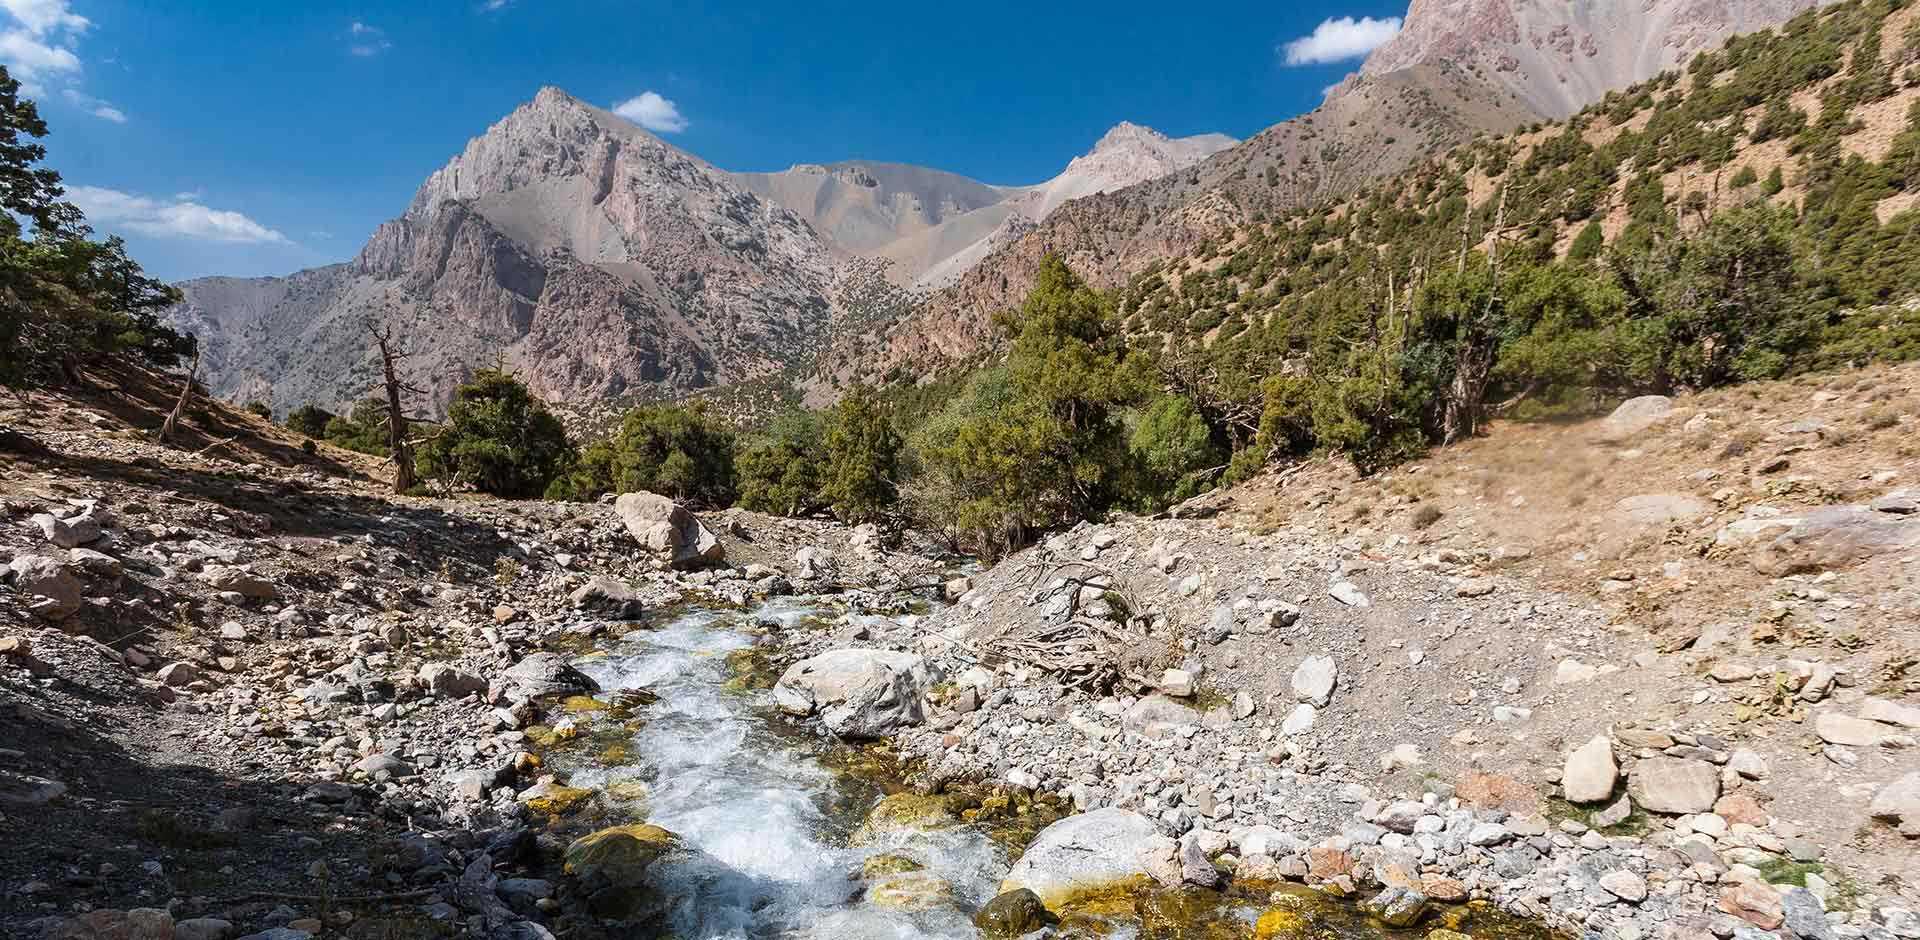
(776, 818)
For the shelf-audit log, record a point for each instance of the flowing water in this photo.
(775, 825)
(775, 855)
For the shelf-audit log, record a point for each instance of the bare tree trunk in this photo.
(186, 395)
(1473, 355)
(397, 441)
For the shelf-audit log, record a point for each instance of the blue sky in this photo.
(246, 138)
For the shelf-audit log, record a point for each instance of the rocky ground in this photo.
(245, 693)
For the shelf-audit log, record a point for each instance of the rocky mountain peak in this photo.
(1556, 56)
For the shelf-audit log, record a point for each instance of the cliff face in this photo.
(595, 259)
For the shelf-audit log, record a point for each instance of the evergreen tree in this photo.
(781, 473)
(863, 458)
(498, 439)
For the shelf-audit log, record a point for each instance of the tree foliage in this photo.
(498, 439)
(672, 450)
(66, 299)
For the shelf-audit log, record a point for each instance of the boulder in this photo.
(858, 693)
(668, 529)
(607, 597)
(1012, 914)
(1634, 416)
(54, 587)
(1674, 785)
(71, 532)
(1090, 851)
(1314, 680)
(815, 564)
(620, 856)
(538, 676)
(1889, 712)
(141, 923)
(239, 581)
(203, 928)
(1833, 538)
(1398, 907)
(447, 681)
(1158, 710)
(1661, 508)
(1898, 802)
(957, 588)
(1835, 728)
(1590, 772)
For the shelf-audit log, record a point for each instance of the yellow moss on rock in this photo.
(905, 811)
(583, 705)
(911, 891)
(1280, 923)
(556, 800)
(881, 866)
(621, 854)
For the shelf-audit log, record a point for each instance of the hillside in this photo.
(1451, 76)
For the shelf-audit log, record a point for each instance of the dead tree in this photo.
(186, 395)
(390, 358)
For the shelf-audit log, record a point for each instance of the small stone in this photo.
(1314, 680)
(1347, 593)
(1590, 772)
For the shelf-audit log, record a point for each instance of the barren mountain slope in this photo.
(864, 205)
(595, 258)
(1455, 71)
(1560, 56)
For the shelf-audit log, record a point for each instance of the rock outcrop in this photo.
(858, 693)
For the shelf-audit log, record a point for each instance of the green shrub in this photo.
(671, 450)
(309, 419)
(498, 439)
(781, 472)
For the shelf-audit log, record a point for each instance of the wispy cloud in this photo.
(169, 218)
(365, 41)
(495, 6)
(1339, 39)
(94, 106)
(45, 16)
(653, 112)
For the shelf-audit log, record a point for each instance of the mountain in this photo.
(593, 258)
(598, 261)
(933, 225)
(1458, 70)
(1560, 57)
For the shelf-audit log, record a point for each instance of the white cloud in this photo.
(98, 108)
(175, 218)
(367, 40)
(32, 60)
(41, 17)
(653, 112)
(494, 6)
(1341, 38)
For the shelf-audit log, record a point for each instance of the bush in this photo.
(260, 409)
(671, 450)
(781, 473)
(498, 439)
(309, 419)
(1174, 449)
(364, 429)
(863, 459)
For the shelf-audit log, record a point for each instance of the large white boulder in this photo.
(667, 528)
(1090, 851)
(858, 693)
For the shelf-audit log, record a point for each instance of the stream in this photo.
(776, 827)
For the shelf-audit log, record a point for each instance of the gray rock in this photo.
(667, 528)
(71, 532)
(607, 597)
(538, 676)
(1590, 772)
(1613, 815)
(1625, 885)
(1634, 416)
(858, 693)
(1835, 728)
(1160, 711)
(239, 581)
(1346, 592)
(1398, 907)
(448, 681)
(1806, 917)
(1898, 801)
(1660, 508)
(1834, 538)
(178, 674)
(1314, 680)
(815, 563)
(1084, 852)
(203, 928)
(1892, 713)
(377, 763)
(1674, 785)
(53, 586)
